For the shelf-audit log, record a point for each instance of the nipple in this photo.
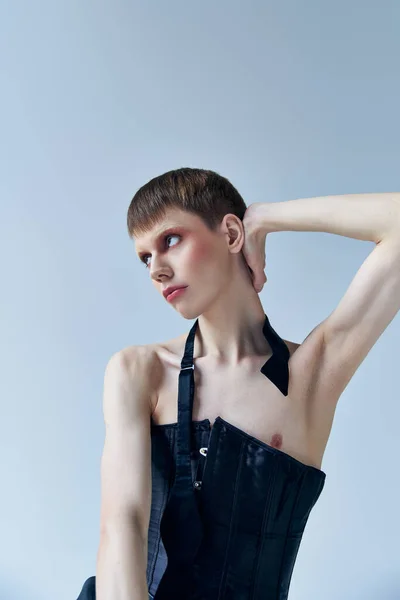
(276, 441)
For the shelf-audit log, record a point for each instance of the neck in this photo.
(232, 329)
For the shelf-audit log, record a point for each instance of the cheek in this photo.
(200, 254)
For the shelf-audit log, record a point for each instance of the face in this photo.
(182, 251)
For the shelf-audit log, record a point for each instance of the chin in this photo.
(189, 314)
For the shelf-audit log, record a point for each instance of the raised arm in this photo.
(125, 478)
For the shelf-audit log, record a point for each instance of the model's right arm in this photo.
(125, 478)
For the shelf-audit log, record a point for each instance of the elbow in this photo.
(394, 219)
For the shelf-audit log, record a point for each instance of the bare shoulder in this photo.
(144, 361)
(154, 361)
(303, 363)
(305, 366)
(308, 382)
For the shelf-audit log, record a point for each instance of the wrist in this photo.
(259, 217)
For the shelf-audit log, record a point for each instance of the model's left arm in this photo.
(373, 297)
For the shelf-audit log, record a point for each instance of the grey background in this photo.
(288, 100)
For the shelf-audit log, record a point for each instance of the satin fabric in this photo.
(228, 511)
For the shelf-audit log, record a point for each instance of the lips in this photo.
(171, 289)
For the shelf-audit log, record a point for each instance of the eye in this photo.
(144, 257)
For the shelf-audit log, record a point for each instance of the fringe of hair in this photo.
(200, 191)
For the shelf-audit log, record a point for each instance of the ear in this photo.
(232, 226)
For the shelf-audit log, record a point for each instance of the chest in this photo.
(243, 397)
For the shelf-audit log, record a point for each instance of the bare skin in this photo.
(228, 381)
(141, 382)
(244, 397)
(231, 348)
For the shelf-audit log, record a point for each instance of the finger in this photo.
(259, 282)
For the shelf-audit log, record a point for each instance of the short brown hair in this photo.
(205, 193)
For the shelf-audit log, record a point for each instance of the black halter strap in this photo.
(181, 528)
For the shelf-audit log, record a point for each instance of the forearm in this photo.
(121, 563)
(369, 217)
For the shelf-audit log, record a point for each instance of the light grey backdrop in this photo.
(288, 100)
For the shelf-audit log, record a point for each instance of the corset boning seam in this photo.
(294, 534)
(261, 536)
(231, 524)
(167, 489)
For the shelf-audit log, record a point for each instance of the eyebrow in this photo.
(163, 233)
